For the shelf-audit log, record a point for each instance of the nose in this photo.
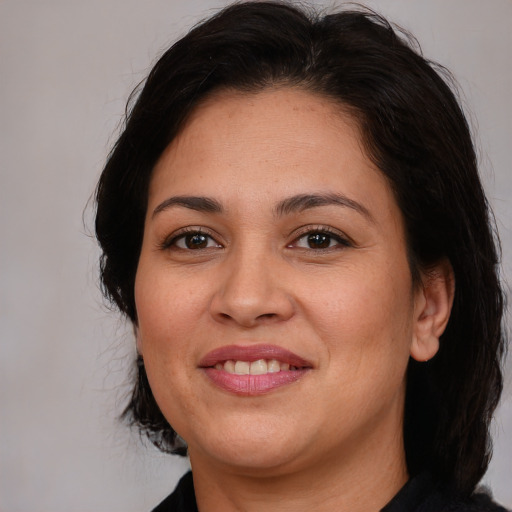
(252, 291)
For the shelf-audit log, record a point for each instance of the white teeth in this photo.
(259, 367)
(242, 368)
(273, 366)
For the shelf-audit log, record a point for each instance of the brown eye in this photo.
(194, 241)
(319, 240)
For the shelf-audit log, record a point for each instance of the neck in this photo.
(357, 482)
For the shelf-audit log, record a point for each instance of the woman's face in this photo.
(274, 299)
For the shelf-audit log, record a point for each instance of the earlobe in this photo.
(433, 304)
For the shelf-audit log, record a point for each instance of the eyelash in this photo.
(340, 239)
(171, 242)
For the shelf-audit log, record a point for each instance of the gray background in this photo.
(66, 68)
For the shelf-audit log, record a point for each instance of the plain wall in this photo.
(66, 69)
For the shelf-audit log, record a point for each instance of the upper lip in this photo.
(252, 353)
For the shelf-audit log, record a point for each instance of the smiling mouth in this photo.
(254, 369)
(258, 367)
(256, 359)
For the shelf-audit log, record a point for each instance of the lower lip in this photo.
(250, 385)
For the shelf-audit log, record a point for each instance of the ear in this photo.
(432, 307)
(138, 339)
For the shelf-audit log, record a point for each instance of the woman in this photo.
(293, 221)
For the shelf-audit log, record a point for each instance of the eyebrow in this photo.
(297, 203)
(198, 203)
(303, 202)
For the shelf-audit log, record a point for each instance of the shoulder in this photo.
(423, 494)
(483, 501)
(480, 501)
(182, 499)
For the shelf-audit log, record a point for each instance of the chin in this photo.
(250, 448)
(255, 462)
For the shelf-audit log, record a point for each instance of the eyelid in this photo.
(344, 240)
(338, 235)
(170, 240)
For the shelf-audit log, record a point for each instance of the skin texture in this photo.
(333, 438)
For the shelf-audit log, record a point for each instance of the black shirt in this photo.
(420, 494)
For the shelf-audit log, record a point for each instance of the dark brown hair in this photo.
(415, 132)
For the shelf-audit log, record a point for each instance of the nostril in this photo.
(266, 316)
(247, 321)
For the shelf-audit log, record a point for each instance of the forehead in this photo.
(249, 153)
(252, 152)
(275, 130)
(285, 113)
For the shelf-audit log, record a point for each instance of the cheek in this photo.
(370, 352)
(365, 319)
(168, 308)
(168, 315)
